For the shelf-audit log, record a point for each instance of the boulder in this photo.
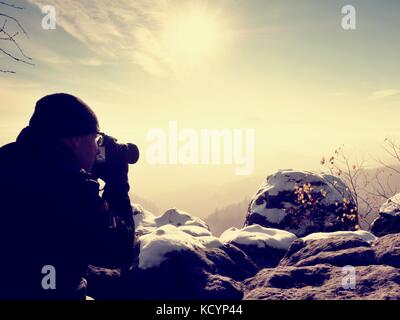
(265, 246)
(317, 267)
(336, 248)
(104, 284)
(321, 282)
(388, 220)
(303, 202)
(387, 250)
(175, 264)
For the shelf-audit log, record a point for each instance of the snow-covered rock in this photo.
(388, 220)
(337, 251)
(323, 282)
(313, 269)
(179, 218)
(259, 236)
(361, 234)
(196, 231)
(155, 246)
(179, 258)
(265, 246)
(184, 275)
(146, 222)
(303, 202)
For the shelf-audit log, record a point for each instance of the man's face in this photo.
(86, 150)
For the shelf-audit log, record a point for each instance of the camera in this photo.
(110, 149)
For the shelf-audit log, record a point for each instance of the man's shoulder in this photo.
(8, 150)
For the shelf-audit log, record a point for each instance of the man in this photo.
(53, 223)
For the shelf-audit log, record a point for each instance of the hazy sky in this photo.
(286, 69)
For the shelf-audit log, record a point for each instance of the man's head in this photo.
(66, 118)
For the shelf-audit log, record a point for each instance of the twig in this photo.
(7, 71)
(15, 58)
(16, 21)
(11, 5)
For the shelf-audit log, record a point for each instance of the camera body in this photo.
(109, 148)
(113, 159)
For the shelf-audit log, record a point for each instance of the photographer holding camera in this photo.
(54, 223)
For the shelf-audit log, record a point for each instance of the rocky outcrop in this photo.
(319, 268)
(265, 246)
(303, 202)
(388, 220)
(179, 259)
(323, 281)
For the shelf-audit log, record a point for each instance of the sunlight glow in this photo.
(192, 35)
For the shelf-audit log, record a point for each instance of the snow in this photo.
(286, 180)
(273, 215)
(391, 206)
(210, 242)
(195, 231)
(259, 236)
(168, 238)
(361, 234)
(175, 230)
(179, 218)
(146, 222)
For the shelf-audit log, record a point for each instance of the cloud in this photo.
(384, 93)
(123, 30)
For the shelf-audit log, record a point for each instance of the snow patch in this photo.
(168, 238)
(210, 242)
(195, 231)
(179, 218)
(259, 236)
(391, 206)
(361, 234)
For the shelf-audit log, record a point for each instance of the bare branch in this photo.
(16, 21)
(15, 58)
(11, 5)
(11, 38)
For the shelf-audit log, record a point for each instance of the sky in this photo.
(285, 69)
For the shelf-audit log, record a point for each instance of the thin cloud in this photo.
(381, 94)
(123, 30)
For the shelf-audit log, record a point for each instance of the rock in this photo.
(388, 220)
(265, 246)
(337, 251)
(176, 264)
(146, 222)
(184, 275)
(104, 284)
(303, 202)
(232, 262)
(387, 250)
(321, 282)
(313, 269)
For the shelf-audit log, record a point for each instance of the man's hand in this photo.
(114, 172)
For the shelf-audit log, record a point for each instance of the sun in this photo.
(192, 35)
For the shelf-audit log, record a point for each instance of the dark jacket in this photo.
(51, 214)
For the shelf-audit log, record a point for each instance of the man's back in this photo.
(49, 217)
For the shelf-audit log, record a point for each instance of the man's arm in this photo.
(110, 228)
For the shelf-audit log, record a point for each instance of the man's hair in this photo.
(63, 115)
